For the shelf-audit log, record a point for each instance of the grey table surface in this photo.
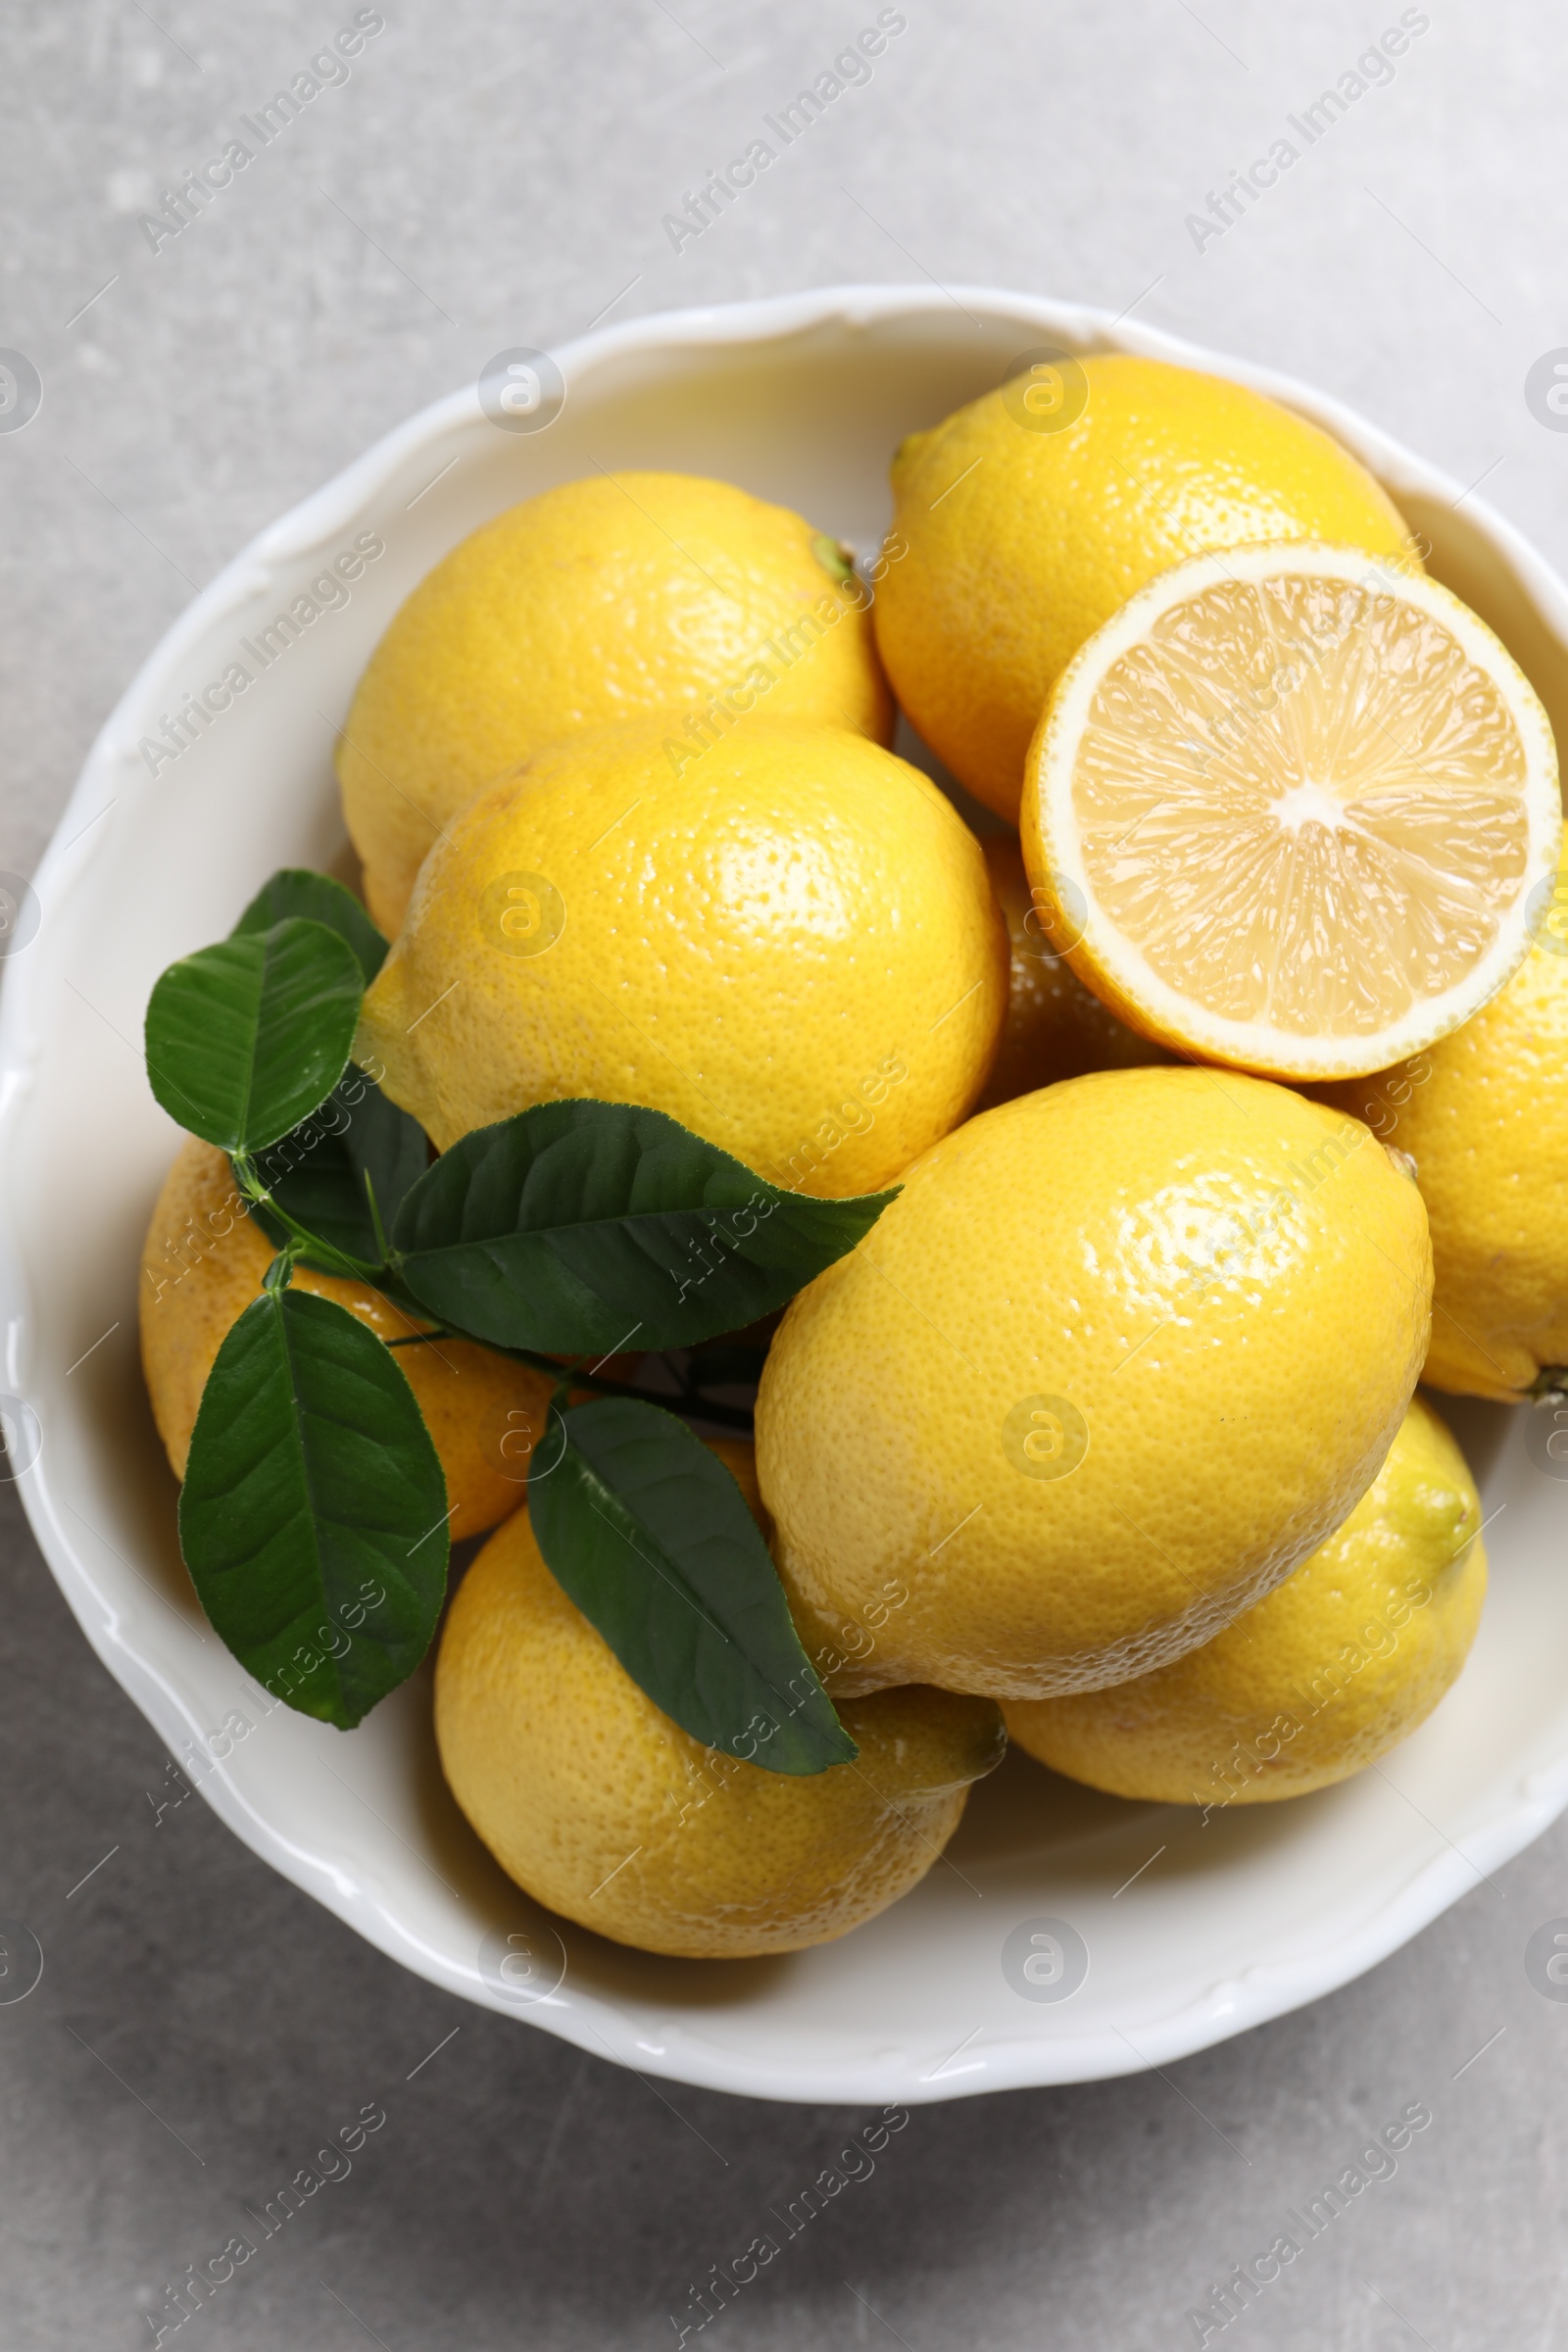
(486, 179)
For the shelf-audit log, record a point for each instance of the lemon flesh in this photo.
(1120, 1354)
(1290, 805)
(1335, 1667)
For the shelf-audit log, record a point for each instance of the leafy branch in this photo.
(556, 1238)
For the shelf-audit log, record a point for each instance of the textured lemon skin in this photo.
(1484, 1114)
(201, 1265)
(1056, 1027)
(603, 1808)
(1337, 1666)
(1227, 1285)
(792, 947)
(1013, 565)
(598, 602)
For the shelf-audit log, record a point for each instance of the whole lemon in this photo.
(201, 1265)
(1031, 515)
(1056, 1027)
(792, 947)
(598, 602)
(1120, 1354)
(1337, 1666)
(1484, 1115)
(601, 1808)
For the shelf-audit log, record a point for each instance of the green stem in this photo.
(280, 1273)
(322, 1253)
(382, 1242)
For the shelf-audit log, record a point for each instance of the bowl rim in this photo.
(592, 2020)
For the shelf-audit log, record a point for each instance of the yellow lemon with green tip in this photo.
(1337, 1666)
(1119, 1356)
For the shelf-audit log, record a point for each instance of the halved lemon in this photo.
(1288, 809)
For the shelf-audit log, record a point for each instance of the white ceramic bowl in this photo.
(1226, 1922)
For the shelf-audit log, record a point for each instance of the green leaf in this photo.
(581, 1227)
(319, 1172)
(314, 1513)
(296, 889)
(649, 1534)
(244, 1040)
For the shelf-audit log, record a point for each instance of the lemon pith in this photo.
(1334, 1667)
